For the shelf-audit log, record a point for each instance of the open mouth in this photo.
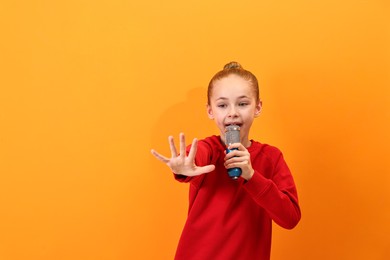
(238, 124)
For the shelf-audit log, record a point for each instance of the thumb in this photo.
(206, 169)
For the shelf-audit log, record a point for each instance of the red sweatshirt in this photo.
(232, 219)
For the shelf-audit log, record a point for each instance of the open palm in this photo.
(180, 163)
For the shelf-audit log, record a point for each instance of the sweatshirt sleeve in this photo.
(181, 178)
(277, 195)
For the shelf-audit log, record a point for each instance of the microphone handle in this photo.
(233, 173)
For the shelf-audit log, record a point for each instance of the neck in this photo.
(246, 143)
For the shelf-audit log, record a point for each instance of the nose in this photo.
(232, 112)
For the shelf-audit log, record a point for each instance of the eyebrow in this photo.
(224, 98)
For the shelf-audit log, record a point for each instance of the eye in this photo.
(242, 104)
(221, 105)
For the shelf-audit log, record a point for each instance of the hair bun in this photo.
(232, 65)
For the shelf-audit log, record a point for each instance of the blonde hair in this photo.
(236, 69)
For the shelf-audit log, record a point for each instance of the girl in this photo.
(232, 219)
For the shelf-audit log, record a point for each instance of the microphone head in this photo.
(232, 134)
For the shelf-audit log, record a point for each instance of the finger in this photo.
(172, 146)
(236, 156)
(194, 148)
(182, 145)
(236, 164)
(204, 169)
(231, 154)
(231, 160)
(159, 156)
(232, 146)
(229, 165)
(239, 146)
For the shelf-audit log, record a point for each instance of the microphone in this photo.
(232, 135)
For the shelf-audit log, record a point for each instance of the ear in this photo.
(210, 112)
(259, 106)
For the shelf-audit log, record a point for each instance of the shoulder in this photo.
(212, 142)
(269, 159)
(265, 150)
(209, 149)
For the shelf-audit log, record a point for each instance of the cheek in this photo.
(248, 118)
(219, 120)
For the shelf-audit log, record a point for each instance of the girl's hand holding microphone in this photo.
(180, 163)
(239, 159)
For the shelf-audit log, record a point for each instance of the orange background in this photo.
(89, 87)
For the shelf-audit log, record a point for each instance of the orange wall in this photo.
(87, 88)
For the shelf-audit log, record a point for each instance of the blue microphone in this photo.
(232, 135)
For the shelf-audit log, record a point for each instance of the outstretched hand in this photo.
(180, 163)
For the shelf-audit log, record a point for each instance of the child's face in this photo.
(233, 101)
